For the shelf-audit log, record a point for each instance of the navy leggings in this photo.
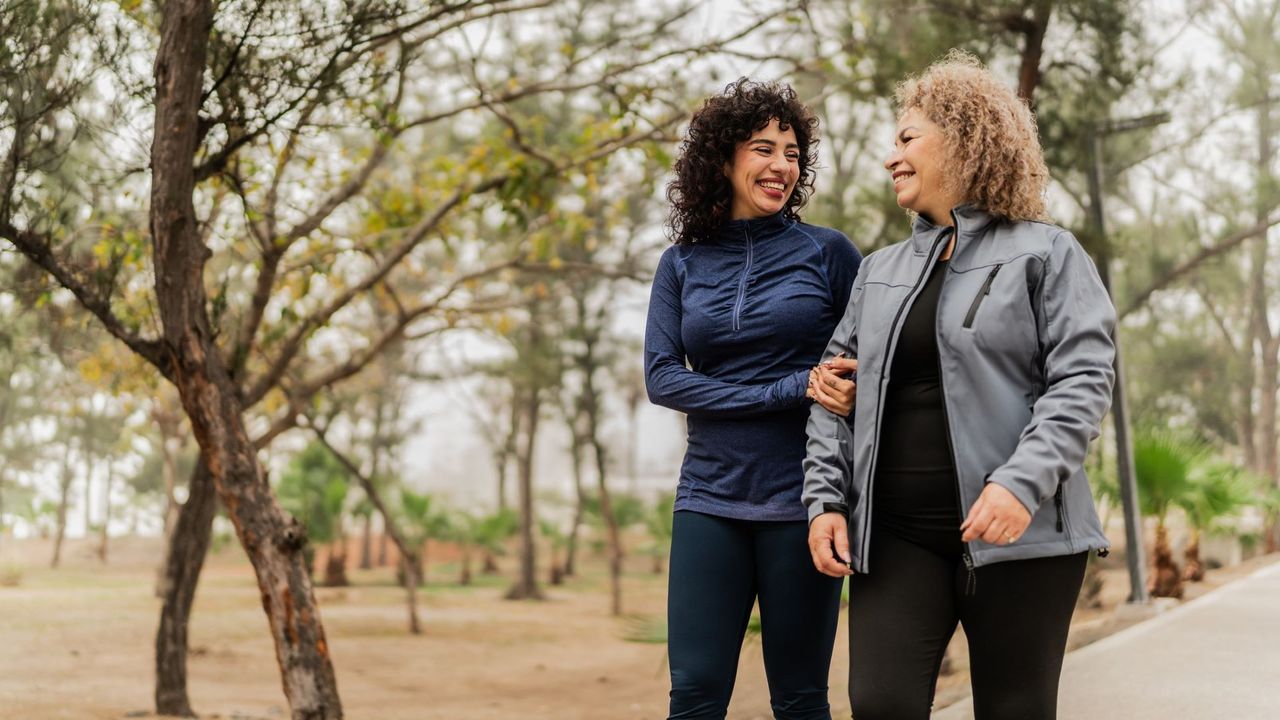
(904, 611)
(719, 567)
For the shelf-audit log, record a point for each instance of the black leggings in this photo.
(903, 613)
(719, 567)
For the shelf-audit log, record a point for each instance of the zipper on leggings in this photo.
(983, 293)
(971, 582)
(884, 378)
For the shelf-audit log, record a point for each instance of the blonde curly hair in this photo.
(995, 160)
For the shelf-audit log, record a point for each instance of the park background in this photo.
(387, 263)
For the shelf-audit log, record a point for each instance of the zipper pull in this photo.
(971, 583)
(1057, 501)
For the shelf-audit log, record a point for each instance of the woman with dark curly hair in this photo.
(742, 305)
(955, 493)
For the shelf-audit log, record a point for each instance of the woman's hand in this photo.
(829, 544)
(997, 517)
(830, 387)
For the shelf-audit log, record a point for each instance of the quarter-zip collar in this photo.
(969, 222)
(737, 232)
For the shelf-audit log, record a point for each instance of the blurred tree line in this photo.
(234, 231)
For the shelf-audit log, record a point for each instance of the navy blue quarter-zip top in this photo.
(734, 325)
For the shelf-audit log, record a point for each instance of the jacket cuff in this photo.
(1024, 492)
(822, 508)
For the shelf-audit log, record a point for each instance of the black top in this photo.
(915, 492)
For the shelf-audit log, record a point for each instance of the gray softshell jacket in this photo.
(1025, 344)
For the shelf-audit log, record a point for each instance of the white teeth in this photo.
(774, 186)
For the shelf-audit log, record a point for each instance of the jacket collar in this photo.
(736, 232)
(970, 222)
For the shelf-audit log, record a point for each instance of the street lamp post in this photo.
(1134, 554)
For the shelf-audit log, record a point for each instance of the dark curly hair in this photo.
(700, 194)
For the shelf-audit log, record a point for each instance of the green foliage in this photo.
(1164, 464)
(1173, 470)
(423, 519)
(314, 490)
(1218, 491)
(491, 531)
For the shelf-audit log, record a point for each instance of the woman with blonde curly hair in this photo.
(954, 492)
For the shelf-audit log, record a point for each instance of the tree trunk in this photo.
(526, 584)
(408, 567)
(382, 544)
(188, 546)
(168, 420)
(580, 493)
(508, 449)
(64, 499)
(335, 566)
(1193, 571)
(591, 406)
(272, 540)
(1269, 448)
(106, 515)
(606, 505)
(464, 577)
(1166, 580)
(555, 572)
(1033, 33)
(366, 543)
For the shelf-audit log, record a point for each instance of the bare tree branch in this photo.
(36, 248)
(1196, 260)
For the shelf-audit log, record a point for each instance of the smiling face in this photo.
(764, 172)
(919, 167)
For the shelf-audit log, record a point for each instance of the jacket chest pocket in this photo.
(993, 310)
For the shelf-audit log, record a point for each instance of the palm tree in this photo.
(1216, 492)
(424, 522)
(1163, 467)
(491, 534)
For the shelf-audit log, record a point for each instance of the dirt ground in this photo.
(77, 643)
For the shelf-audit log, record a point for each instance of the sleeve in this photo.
(670, 383)
(1076, 321)
(843, 260)
(828, 451)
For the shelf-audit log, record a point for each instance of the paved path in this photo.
(1214, 658)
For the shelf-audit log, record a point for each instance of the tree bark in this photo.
(272, 540)
(382, 544)
(1268, 339)
(464, 575)
(64, 499)
(602, 476)
(1193, 570)
(1033, 33)
(366, 543)
(105, 536)
(611, 522)
(526, 584)
(188, 546)
(580, 497)
(1166, 578)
